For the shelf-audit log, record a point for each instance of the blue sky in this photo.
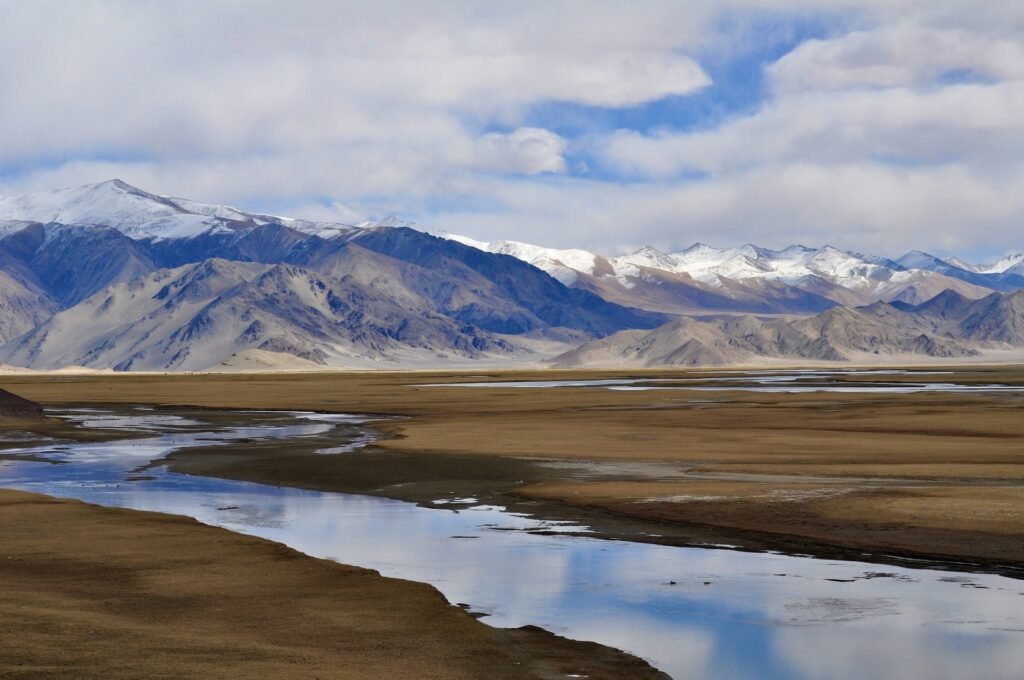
(877, 126)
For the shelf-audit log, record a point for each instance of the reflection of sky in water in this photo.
(729, 614)
(792, 382)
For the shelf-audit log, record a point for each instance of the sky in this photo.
(875, 125)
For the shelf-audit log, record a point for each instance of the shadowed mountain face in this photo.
(24, 302)
(73, 263)
(948, 326)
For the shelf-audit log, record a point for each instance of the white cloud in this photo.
(528, 151)
(895, 56)
(885, 210)
(867, 142)
(980, 124)
(182, 78)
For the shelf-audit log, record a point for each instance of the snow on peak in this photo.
(393, 221)
(113, 203)
(1014, 261)
(140, 214)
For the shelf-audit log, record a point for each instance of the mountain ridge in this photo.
(247, 287)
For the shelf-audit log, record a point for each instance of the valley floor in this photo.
(931, 475)
(937, 476)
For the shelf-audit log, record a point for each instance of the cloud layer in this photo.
(896, 125)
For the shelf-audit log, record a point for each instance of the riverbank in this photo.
(138, 594)
(930, 475)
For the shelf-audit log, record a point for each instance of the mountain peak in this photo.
(918, 259)
(117, 183)
(394, 221)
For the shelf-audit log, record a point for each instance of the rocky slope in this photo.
(198, 315)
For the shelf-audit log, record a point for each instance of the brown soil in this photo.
(93, 592)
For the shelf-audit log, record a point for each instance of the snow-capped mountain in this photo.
(1004, 276)
(139, 214)
(840, 276)
(108, 275)
(1012, 263)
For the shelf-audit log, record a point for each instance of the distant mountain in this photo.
(948, 326)
(111, 276)
(701, 279)
(1002, 280)
(139, 214)
(1011, 264)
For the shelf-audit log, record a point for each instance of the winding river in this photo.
(693, 612)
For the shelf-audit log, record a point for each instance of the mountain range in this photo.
(110, 276)
(796, 279)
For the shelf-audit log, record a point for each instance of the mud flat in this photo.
(936, 475)
(94, 592)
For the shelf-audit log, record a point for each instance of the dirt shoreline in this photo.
(140, 594)
(906, 477)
